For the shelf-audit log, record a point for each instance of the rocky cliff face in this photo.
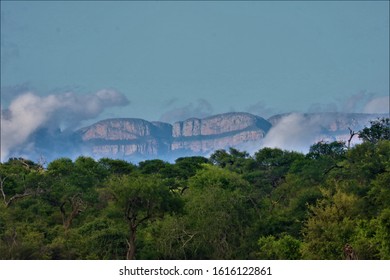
(218, 132)
(219, 124)
(118, 129)
(139, 139)
(136, 137)
(206, 145)
(126, 137)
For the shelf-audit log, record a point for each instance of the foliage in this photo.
(332, 203)
(283, 248)
(378, 130)
(334, 150)
(141, 199)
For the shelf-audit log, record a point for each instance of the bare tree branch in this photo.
(77, 206)
(351, 135)
(13, 198)
(2, 180)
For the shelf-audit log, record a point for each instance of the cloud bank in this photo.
(293, 132)
(297, 131)
(32, 124)
(29, 112)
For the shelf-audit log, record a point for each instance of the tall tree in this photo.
(142, 199)
(217, 215)
(72, 186)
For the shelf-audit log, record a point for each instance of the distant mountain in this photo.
(140, 139)
(136, 139)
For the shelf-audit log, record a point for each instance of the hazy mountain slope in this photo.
(140, 138)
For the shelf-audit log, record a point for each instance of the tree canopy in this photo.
(331, 203)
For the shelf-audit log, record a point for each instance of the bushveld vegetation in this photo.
(331, 203)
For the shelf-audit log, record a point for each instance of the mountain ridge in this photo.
(136, 139)
(139, 138)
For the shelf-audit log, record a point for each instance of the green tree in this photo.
(382, 235)
(103, 237)
(379, 130)
(333, 150)
(217, 216)
(330, 226)
(188, 166)
(284, 248)
(72, 186)
(153, 166)
(117, 166)
(233, 160)
(19, 178)
(142, 199)
(273, 165)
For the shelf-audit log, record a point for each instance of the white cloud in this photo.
(29, 112)
(293, 132)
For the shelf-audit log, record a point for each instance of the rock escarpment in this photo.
(137, 139)
(218, 132)
(126, 137)
(140, 138)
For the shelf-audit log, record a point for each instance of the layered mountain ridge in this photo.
(141, 139)
(136, 137)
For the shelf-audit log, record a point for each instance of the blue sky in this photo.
(174, 60)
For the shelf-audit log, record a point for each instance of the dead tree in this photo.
(9, 201)
(77, 206)
(351, 135)
(132, 216)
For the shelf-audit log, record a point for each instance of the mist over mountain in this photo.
(137, 139)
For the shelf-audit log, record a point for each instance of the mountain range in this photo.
(135, 139)
(139, 139)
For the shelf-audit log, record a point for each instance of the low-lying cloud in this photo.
(293, 132)
(29, 112)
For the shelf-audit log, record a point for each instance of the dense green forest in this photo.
(331, 203)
